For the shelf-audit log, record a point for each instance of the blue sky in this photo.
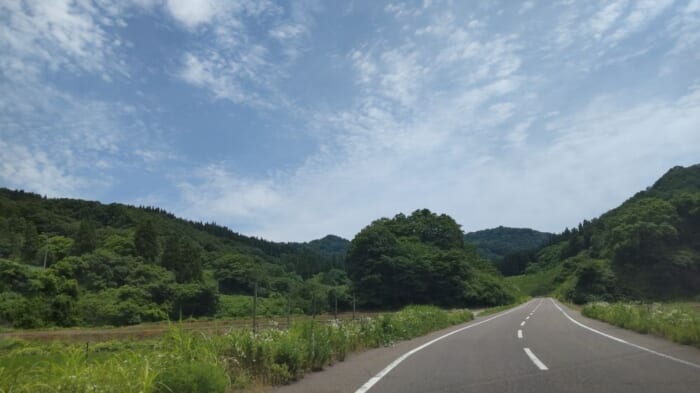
(294, 120)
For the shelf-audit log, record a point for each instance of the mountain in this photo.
(648, 248)
(330, 245)
(75, 262)
(496, 243)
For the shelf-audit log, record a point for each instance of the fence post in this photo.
(87, 351)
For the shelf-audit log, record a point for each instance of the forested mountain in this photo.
(67, 262)
(496, 243)
(421, 258)
(647, 248)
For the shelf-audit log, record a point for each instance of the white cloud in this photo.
(236, 65)
(35, 171)
(192, 13)
(59, 35)
(605, 18)
(525, 7)
(212, 192)
(640, 16)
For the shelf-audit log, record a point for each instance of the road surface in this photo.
(540, 346)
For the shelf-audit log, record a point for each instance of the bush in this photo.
(191, 377)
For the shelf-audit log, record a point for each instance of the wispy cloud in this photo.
(528, 114)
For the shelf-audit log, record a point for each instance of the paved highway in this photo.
(540, 346)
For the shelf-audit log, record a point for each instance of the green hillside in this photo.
(75, 262)
(496, 243)
(647, 248)
(66, 262)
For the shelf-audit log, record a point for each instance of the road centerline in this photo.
(535, 359)
(375, 379)
(520, 333)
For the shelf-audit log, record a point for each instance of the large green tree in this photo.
(183, 258)
(419, 258)
(86, 238)
(30, 245)
(146, 240)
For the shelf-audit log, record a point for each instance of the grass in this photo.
(678, 322)
(538, 283)
(151, 330)
(186, 361)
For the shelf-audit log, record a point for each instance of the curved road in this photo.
(540, 346)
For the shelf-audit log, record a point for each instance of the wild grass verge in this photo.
(675, 321)
(183, 361)
(493, 310)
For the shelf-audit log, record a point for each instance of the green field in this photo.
(184, 361)
(534, 284)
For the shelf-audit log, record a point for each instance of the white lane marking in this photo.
(520, 333)
(538, 306)
(372, 381)
(522, 323)
(663, 355)
(535, 360)
(526, 318)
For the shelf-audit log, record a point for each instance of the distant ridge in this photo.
(496, 243)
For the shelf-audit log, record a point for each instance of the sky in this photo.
(293, 120)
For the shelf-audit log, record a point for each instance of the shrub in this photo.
(191, 377)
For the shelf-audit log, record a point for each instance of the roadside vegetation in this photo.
(188, 362)
(679, 322)
(497, 309)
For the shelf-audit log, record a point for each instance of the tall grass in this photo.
(182, 361)
(675, 321)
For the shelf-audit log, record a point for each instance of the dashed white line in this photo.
(373, 381)
(535, 360)
(522, 323)
(520, 333)
(528, 317)
(663, 355)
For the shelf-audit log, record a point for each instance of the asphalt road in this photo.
(540, 346)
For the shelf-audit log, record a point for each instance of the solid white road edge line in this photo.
(663, 355)
(535, 360)
(372, 381)
(520, 333)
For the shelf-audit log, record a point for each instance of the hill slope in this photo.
(67, 262)
(647, 248)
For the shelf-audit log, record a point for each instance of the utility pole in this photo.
(289, 311)
(353, 306)
(313, 306)
(335, 299)
(255, 309)
(46, 253)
